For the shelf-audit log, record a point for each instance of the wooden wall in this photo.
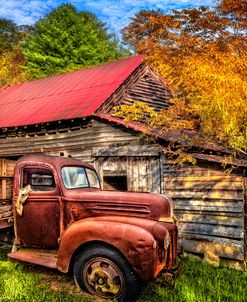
(149, 91)
(6, 190)
(78, 143)
(210, 206)
(143, 85)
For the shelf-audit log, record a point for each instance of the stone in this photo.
(211, 258)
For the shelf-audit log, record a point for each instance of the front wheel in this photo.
(104, 273)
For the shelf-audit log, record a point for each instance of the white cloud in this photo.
(115, 13)
(26, 11)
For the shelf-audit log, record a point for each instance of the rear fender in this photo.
(136, 244)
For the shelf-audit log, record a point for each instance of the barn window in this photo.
(115, 182)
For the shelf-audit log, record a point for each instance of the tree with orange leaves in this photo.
(202, 53)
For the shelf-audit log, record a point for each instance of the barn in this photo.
(71, 115)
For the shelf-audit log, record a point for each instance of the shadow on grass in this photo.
(200, 282)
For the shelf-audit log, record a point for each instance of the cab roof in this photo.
(56, 161)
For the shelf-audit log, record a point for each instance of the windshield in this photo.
(79, 177)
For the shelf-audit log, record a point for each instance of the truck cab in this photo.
(111, 241)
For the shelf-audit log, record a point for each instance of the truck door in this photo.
(39, 224)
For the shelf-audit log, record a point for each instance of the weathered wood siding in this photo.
(144, 174)
(6, 190)
(144, 86)
(149, 91)
(210, 206)
(78, 143)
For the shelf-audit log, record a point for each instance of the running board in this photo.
(47, 258)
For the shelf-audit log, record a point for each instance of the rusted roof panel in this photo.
(176, 136)
(171, 136)
(66, 96)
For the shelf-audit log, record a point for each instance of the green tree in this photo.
(66, 40)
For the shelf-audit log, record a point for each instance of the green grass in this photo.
(198, 282)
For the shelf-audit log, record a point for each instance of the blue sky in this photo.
(116, 14)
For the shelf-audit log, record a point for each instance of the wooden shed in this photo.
(71, 115)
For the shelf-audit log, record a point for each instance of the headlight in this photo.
(161, 234)
(167, 242)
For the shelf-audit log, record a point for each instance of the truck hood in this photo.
(87, 203)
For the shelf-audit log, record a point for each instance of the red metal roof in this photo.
(65, 96)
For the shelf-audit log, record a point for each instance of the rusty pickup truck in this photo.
(111, 241)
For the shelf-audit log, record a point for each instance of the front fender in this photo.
(136, 244)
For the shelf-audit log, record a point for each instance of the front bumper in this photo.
(168, 276)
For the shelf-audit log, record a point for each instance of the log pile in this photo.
(6, 191)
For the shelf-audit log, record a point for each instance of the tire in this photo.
(104, 273)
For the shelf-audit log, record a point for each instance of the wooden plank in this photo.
(3, 183)
(200, 170)
(209, 213)
(226, 250)
(210, 209)
(207, 194)
(220, 159)
(4, 209)
(212, 229)
(226, 185)
(7, 168)
(6, 223)
(127, 151)
(6, 214)
(208, 203)
(10, 167)
(6, 175)
(6, 188)
(210, 238)
(217, 220)
(205, 178)
(142, 84)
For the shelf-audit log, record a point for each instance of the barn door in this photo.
(140, 173)
(143, 174)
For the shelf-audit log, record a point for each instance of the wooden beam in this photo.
(6, 223)
(3, 181)
(127, 151)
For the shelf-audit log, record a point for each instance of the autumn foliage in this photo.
(11, 56)
(202, 53)
(11, 70)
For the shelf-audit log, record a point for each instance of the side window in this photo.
(39, 179)
(93, 179)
